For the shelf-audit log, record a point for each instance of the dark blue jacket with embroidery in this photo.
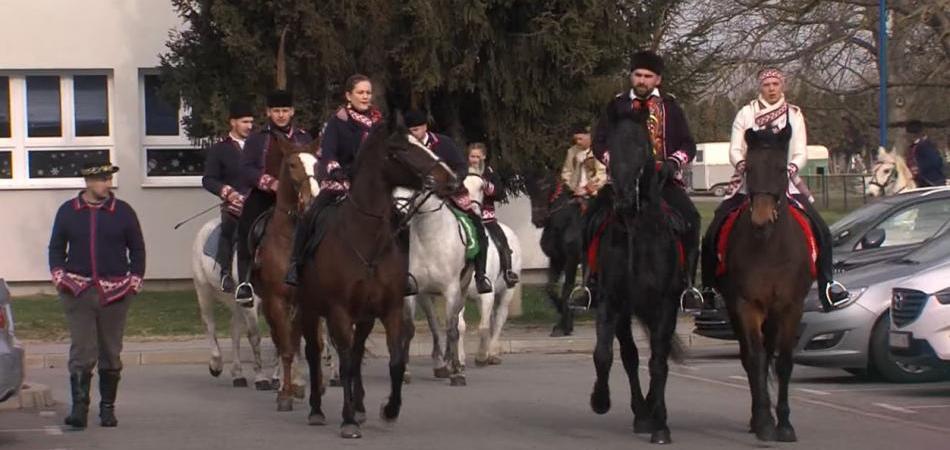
(102, 241)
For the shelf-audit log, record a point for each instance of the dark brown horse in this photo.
(767, 276)
(296, 188)
(358, 272)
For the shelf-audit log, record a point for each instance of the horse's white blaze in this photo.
(890, 174)
(309, 162)
(418, 143)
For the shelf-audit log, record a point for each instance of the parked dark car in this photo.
(887, 228)
(11, 354)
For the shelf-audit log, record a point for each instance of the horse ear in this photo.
(284, 144)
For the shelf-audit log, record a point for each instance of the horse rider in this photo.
(771, 112)
(923, 158)
(494, 191)
(583, 174)
(445, 148)
(673, 149)
(262, 178)
(343, 134)
(223, 178)
(97, 262)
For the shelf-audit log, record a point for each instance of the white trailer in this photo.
(711, 169)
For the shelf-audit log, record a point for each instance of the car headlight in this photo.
(943, 296)
(812, 304)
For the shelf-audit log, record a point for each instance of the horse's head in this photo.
(540, 188)
(766, 175)
(298, 183)
(473, 184)
(410, 164)
(630, 151)
(889, 175)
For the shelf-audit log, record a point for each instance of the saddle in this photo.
(320, 225)
(467, 233)
(722, 241)
(258, 227)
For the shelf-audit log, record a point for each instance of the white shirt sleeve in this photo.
(797, 147)
(737, 146)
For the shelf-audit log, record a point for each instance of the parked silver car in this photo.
(855, 337)
(11, 353)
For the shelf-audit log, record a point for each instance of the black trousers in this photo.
(501, 241)
(679, 200)
(825, 261)
(258, 202)
(229, 226)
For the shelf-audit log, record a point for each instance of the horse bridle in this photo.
(294, 214)
(891, 178)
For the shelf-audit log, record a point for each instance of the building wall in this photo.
(121, 37)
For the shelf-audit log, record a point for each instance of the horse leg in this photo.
(438, 361)
(409, 331)
(206, 308)
(363, 330)
(341, 332)
(603, 357)
(313, 348)
(570, 278)
(783, 366)
(332, 367)
(463, 327)
(396, 327)
(237, 372)
(281, 335)
(499, 317)
(559, 297)
(631, 364)
(453, 310)
(485, 303)
(661, 340)
(763, 424)
(299, 381)
(261, 382)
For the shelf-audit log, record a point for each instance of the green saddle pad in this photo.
(467, 233)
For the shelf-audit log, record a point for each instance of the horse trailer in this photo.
(712, 170)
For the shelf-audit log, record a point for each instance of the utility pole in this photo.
(882, 65)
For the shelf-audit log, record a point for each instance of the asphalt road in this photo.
(535, 401)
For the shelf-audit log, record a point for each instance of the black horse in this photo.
(638, 273)
(555, 210)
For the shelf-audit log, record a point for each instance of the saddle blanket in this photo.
(210, 248)
(722, 244)
(467, 233)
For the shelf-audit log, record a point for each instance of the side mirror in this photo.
(873, 239)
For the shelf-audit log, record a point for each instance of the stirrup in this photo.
(835, 305)
(577, 292)
(697, 294)
(247, 303)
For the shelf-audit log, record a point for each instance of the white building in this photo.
(77, 79)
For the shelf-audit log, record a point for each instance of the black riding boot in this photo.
(831, 294)
(709, 258)
(482, 283)
(504, 252)
(108, 388)
(79, 388)
(297, 251)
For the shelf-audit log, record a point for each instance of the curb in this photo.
(31, 396)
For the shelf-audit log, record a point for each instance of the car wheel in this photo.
(719, 191)
(885, 366)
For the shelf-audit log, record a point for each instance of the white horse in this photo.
(437, 260)
(889, 175)
(206, 277)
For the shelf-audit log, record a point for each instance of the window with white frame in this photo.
(171, 159)
(51, 123)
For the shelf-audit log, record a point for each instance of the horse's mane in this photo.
(378, 134)
(903, 171)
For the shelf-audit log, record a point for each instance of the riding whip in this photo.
(216, 205)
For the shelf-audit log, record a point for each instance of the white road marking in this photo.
(928, 406)
(891, 407)
(47, 413)
(813, 391)
(53, 430)
(23, 430)
(889, 388)
(738, 377)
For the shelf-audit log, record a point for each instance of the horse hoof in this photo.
(285, 404)
(335, 382)
(643, 426)
(457, 380)
(559, 332)
(766, 433)
(661, 437)
(214, 372)
(481, 362)
(407, 378)
(239, 382)
(350, 431)
(600, 402)
(494, 360)
(441, 372)
(300, 391)
(786, 434)
(316, 419)
(389, 413)
(263, 385)
(359, 417)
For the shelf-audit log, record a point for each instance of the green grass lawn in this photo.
(162, 314)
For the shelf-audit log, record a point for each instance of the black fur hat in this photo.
(647, 60)
(280, 99)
